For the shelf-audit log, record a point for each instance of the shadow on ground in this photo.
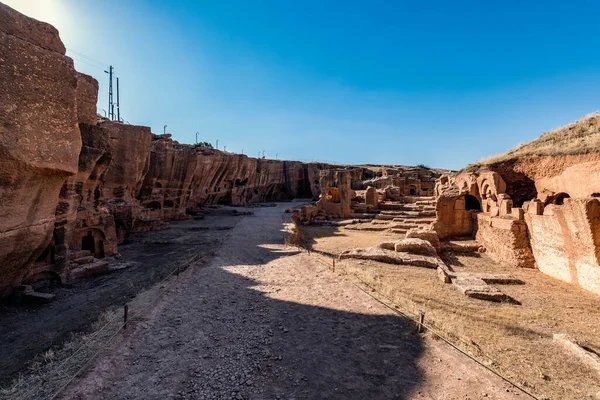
(221, 334)
(29, 330)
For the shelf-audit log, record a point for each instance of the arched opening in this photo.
(168, 204)
(241, 182)
(43, 280)
(153, 205)
(484, 190)
(412, 191)
(88, 243)
(122, 231)
(471, 203)
(559, 199)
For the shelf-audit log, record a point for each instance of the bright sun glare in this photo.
(51, 11)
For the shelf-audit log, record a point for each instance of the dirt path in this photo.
(262, 321)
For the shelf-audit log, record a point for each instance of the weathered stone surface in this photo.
(30, 30)
(87, 98)
(505, 240)
(415, 246)
(566, 242)
(371, 197)
(425, 234)
(39, 138)
(476, 288)
(569, 343)
(391, 257)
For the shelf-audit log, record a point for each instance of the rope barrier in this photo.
(420, 323)
(85, 345)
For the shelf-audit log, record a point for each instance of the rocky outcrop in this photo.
(73, 186)
(39, 138)
(535, 206)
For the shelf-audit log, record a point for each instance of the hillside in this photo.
(579, 137)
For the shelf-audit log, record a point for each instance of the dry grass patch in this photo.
(579, 137)
(515, 340)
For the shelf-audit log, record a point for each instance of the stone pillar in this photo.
(372, 198)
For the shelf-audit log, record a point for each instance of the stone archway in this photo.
(92, 240)
(472, 203)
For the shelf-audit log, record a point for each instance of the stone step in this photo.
(84, 260)
(461, 246)
(88, 270)
(79, 253)
(404, 226)
(398, 230)
(367, 227)
(386, 206)
(380, 222)
(391, 212)
(363, 215)
(38, 297)
(414, 220)
(476, 288)
(385, 217)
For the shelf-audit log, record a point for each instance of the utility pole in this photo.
(263, 154)
(217, 144)
(118, 107)
(197, 137)
(165, 129)
(111, 107)
(242, 151)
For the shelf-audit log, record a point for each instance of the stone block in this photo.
(518, 213)
(535, 207)
(459, 204)
(505, 207)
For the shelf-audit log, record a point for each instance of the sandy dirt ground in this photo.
(514, 338)
(261, 321)
(30, 330)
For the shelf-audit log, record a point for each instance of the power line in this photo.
(88, 58)
(87, 63)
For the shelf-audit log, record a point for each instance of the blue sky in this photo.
(396, 82)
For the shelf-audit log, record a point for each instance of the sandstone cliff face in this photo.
(39, 138)
(73, 186)
(237, 179)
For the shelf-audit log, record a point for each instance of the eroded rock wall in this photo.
(39, 138)
(565, 240)
(533, 211)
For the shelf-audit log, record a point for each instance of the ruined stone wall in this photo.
(505, 239)
(565, 241)
(536, 211)
(452, 218)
